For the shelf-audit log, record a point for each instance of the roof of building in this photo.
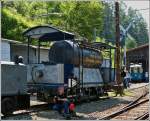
(139, 47)
(17, 43)
(10, 41)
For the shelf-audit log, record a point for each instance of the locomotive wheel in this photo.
(8, 106)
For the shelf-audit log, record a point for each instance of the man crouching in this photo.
(61, 103)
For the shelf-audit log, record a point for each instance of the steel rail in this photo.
(123, 110)
(136, 100)
(143, 117)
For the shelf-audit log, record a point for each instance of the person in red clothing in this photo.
(72, 108)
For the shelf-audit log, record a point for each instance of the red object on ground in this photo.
(72, 107)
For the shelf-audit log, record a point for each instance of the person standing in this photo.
(127, 78)
(146, 77)
(123, 74)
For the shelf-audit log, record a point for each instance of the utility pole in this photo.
(117, 65)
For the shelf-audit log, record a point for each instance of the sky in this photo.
(140, 4)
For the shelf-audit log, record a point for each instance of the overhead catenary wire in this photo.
(142, 9)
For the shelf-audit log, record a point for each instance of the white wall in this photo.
(43, 55)
(33, 55)
(9, 50)
(5, 51)
(106, 63)
(22, 51)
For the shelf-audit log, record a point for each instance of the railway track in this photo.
(41, 107)
(117, 115)
(140, 89)
(145, 116)
(32, 109)
(132, 110)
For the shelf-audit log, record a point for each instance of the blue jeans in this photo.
(126, 83)
(146, 79)
(59, 107)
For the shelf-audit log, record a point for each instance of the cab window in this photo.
(141, 70)
(131, 69)
(135, 70)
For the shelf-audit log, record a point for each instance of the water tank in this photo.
(68, 52)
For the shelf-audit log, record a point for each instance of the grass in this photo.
(126, 93)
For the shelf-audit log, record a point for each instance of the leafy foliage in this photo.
(131, 43)
(83, 17)
(139, 31)
(80, 18)
(13, 25)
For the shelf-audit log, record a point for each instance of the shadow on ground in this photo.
(100, 105)
(85, 108)
(20, 117)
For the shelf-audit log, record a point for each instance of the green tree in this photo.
(83, 17)
(131, 43)
(78, 17)
(13, 25)
(139, 31)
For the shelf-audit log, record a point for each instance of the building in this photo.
(11, 48)
(139, 54)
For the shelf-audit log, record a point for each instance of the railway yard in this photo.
(132, 106)
(60, 66)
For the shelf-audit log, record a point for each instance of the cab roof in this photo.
(47, 33)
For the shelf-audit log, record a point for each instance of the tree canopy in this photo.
(138, 30)
(81, 18)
